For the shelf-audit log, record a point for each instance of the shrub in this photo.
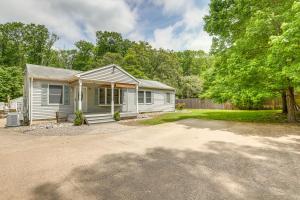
(117, 116)
(78, 121)
(180, 106)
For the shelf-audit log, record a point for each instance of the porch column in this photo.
(79, 95)
(112, 99)
(137, 98)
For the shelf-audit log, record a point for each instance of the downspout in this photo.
(30, 103)
(137, 98)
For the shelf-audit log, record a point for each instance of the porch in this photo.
(100, 100)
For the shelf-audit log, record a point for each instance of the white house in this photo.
(104, 91)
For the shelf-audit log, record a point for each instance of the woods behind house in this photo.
(255, 56)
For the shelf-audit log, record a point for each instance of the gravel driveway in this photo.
(189, 159)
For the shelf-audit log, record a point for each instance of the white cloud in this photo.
(72, 19)
(187, 33)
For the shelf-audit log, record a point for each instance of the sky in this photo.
(169, 24)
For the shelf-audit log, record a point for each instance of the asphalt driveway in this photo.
(189, 159)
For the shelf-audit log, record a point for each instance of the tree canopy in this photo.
(255, 47)
(30, 43)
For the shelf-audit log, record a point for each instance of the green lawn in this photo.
(266, 116)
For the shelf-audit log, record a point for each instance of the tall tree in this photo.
(242, 32)
(84, 56)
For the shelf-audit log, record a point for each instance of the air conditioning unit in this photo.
(13, 119)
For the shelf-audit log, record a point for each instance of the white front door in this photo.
(83, 98)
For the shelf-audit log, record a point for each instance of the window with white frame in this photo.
(55, 94)
(141, 97)
(148, 97)
(168, 98)
(145, 97)
(104, 96)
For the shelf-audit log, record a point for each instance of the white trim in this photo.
(63, 92)
(105, 96)
(166, 95)
(105, 67)
(137, 98)
(112, 99)
(79, 95)
(145, 101)
(31, 89)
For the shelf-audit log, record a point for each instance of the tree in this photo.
(11, 82)
(285, 56)
(242, 33)
(84, 56)
(111, 42)
(194, 62)
(25, 43)
(190, 87)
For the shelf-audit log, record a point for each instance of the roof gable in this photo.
(109, 73)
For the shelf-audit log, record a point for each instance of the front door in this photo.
(83, 98)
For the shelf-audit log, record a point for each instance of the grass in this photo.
(265, 116)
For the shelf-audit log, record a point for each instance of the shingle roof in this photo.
(50, 73)
(154, 84)
(60, 74)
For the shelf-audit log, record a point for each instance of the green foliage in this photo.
(79, 119)
(84, 56)
(264, 116)
(11, 82)
(117, 116)
(180, 106)
(255, 47)
(190, 87)
(29, 43)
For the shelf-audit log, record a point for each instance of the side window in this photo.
(108, 96)
(141, 97)
(116, 96)
(168, 100)
(66, 95)
(148, 97)
(55, 94)
(101, 95)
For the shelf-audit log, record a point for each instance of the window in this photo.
(66, 95)
(108, 96)
(148, 97)
(104, 96)
(168, 100)
(101, 95)
(116, 96)
(55, 94)
(121, 96)
(141, 97)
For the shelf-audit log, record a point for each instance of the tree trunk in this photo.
(291, 105)
(284, 103)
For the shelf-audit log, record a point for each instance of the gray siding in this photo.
(41, 110)
(109, 74)
(159, 101)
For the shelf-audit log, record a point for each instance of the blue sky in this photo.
(169, 24)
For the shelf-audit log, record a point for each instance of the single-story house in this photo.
(103, 91)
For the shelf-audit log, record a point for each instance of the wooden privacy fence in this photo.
(196, 103)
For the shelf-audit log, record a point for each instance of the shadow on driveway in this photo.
(225, 171)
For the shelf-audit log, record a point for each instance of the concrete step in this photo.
(98, 118)
(101, 121)
(97, 115)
